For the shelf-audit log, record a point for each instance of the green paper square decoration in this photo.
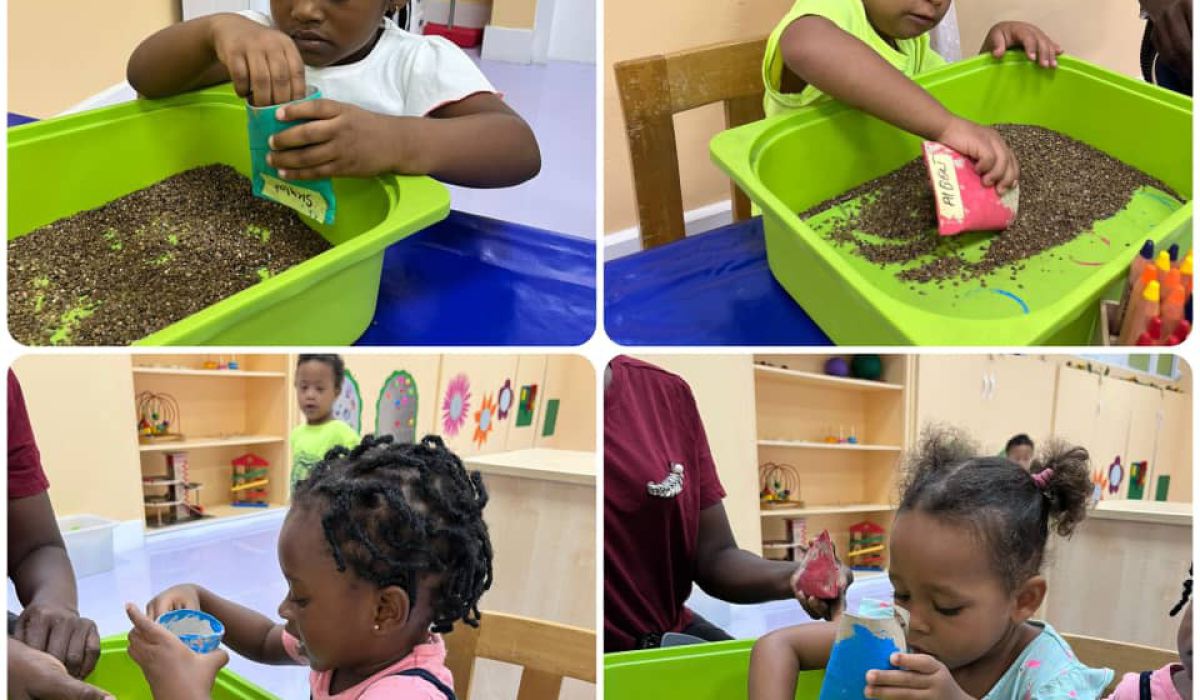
(551, 418)
(1140, 362)
(1164, 485)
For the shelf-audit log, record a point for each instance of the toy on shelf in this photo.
(843, 437)
(837, 367)
(179, 500)
(466, 37)
(869, 367)
(795, 538)
(250, 481)
(157, 415)
(780, 486)
(867, 546)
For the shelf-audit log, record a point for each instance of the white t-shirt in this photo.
(405, 75)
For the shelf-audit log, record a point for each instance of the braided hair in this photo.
(393, 513)
(1010, 510)
(1187, 594)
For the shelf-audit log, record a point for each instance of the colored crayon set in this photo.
(1156, 305)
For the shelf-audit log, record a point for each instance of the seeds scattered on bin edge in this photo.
(184, 244)
(1066, 187)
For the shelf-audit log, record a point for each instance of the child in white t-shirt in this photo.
(393, 102)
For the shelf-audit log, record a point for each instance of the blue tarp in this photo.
(714, 288)
(471, 280)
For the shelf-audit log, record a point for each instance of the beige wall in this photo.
(724, 389)
(516, 14)
(1106, 32)
(635, 28)
(83, 416)
(61, 53)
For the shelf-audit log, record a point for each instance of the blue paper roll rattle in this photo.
(312, 198)
(865, 641)
(198, 630)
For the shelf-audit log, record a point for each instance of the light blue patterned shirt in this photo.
(1048, 670)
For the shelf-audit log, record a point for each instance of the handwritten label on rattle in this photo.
(305, 201)
(950, 202)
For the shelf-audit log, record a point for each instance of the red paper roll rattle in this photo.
(964, 203)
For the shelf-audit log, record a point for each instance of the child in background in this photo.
(318, 383)
(384, 549)
(394, 102)
(1173, 681)
(966, 549)
(864, 52)
(1019, 449)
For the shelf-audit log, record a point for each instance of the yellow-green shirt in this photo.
(912, 57)
(310, 443)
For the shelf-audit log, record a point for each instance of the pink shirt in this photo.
(384, 685)
(1161, 685)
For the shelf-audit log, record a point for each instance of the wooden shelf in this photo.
(806, 445)
(181, 372)
(824, 380)
(200, 443)
(219, 514)
(826, 510)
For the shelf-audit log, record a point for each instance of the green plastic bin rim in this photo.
(736, 151)
(227, 680)
(293, 281)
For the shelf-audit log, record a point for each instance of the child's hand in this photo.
(1038, 46)
(172, 669)
(182, 597)
(994, 160)
(341, 141)
(923, 677)
(264, 64)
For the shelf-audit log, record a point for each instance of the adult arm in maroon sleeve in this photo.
(38, 564)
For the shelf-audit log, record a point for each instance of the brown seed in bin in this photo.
(120, 272)
(1066, 187)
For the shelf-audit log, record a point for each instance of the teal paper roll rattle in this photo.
(312, 198)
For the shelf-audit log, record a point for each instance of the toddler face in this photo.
(905, 19)
(1022, 455)
(958, 607)
(316, 390)
(329, 32)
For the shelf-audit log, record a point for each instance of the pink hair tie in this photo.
(1042, 477)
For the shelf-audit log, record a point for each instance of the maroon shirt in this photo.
(650, 423)
(25, 475)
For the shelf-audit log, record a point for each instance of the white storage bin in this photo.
(89, 540)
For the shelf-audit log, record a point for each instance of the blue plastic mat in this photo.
(471, 280)
(714, 288)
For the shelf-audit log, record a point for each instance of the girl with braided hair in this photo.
(967, 546)
(1173, 681)
(384, 549)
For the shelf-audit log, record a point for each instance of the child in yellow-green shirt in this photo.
(318, 383)
(864, 52)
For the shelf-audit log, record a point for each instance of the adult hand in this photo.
(185, 596)
(263, 63)
(921, 676)
(342, 140)
(1039, 47)
(994, 160)
(36, 674)
(171, 668)
(61, 633)
(820, 608)
(1171, 32)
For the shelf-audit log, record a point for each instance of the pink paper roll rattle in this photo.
(964, 203)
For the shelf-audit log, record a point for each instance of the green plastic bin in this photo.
(717, 671)
(66, 165)
(116, 673)
(791, 163)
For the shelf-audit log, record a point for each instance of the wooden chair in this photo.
(1121, 657)
(547, 651)
(652, 91)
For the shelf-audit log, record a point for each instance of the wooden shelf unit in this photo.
(222, 415)
(797, 408)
